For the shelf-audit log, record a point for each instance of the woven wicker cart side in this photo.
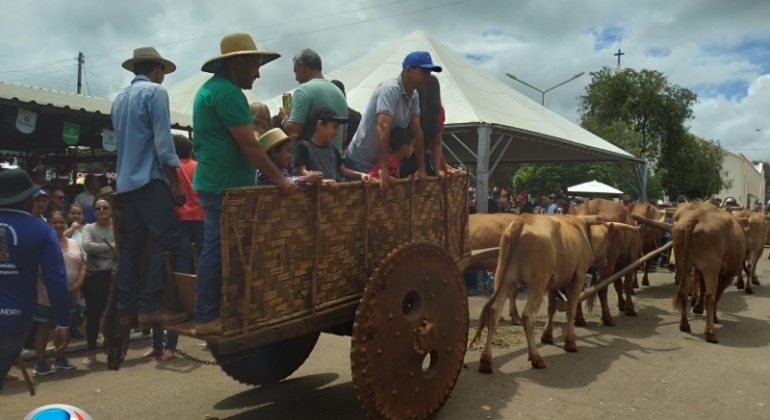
(285, 257)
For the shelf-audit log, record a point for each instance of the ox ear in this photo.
(592, 220)
(623, 227)
(610, 228)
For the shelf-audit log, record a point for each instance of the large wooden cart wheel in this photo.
(268, 364)
(410, 334)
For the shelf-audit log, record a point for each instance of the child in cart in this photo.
(318, 153)
(277, 145)
(401, 146)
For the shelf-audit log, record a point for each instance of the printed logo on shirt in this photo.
(4, 255)
(10, 312)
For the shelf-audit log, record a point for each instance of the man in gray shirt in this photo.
(394, 103)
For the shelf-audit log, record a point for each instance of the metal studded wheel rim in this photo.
(410, 334)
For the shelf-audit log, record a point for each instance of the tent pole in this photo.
(500, 156)
(482, 168)
(643, 181)
(630, 184)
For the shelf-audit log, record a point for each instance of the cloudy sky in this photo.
(719, 49)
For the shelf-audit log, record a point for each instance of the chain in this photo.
(243, 356)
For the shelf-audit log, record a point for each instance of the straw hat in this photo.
(148, 54)
(272, 139)
(105, 190)
(234, 45)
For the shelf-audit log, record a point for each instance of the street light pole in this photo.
(543, 92)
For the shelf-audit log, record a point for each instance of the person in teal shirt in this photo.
(313, 91)
(228, 155)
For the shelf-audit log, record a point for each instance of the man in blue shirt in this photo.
(148, 186)
(27, 245)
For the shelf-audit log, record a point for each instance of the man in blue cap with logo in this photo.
(394, 103)
(26, 245)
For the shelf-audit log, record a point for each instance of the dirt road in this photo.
(644, 368)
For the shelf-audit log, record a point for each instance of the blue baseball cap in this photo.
(421, 59)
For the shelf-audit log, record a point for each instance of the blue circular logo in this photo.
(58, 412)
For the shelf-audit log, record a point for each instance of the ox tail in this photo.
(680, 299)
(507, 244)
(591, 299)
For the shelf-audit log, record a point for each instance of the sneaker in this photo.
(168, 354)
(89, 360)
(42, 369)
(149, 354)
(61, 363)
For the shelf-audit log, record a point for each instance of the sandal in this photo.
(89, 360)
(149, 354)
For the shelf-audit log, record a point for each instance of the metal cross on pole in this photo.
(618, 54)
(543, 92)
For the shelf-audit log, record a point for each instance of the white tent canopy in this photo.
(182, 95)
(594, 187)
(487, 121)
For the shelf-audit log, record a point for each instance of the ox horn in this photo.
(592, 220)
(654, 223)
(623, 226)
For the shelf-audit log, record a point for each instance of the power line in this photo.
(260, 27)
(103, 80)
(318, 30)
(35, 66)
(85, 74)
(43, 74)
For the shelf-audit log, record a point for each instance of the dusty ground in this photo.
(643, 368)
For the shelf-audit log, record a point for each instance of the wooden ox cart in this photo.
(384, 270)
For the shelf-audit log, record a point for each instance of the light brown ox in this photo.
(711, 248)
(624, 249)
(485, 231)
(545, 253)
(756, 236)
(650, 235)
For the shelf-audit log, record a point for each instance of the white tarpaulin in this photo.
(594, 187)
(182, 94)
(746, 179)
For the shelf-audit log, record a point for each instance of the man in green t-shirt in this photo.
(313, 91)
(228, 154)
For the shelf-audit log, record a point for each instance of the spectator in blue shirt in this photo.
(148, 186)
(27, 245)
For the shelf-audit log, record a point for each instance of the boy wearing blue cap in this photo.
(394, 103)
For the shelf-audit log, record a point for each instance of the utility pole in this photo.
(81, 61)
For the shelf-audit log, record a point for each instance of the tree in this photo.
(698, 171)
(643, 101)
(548, 178)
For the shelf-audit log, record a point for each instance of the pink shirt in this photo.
(73, 258)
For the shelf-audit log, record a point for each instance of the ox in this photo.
(485, 231)
(624, 249)
(714, 244)
(546, 254)
(650, 235)
(756, 236)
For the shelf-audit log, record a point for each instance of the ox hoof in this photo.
(712, 338)
(645, 282)
(517, 320)
(755, 282)
(538, 363)
(570, 346)
(630, 312)
(581, 323)
(739, 285)
(749, 291)
(685, 328)
(485, 365)
(546, 338)
(608, 322)
(697, 309)
(716, 320)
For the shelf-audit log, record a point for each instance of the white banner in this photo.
(109, 140)
(26, 121)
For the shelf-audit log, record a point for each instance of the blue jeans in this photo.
(356, 166)
(157, 339)
(10, 349)
(147, 209)
(209, 279)
(190, 232)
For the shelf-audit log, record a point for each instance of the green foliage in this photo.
(642, 101)
(547, 179)
(655, 186)
(696, 172)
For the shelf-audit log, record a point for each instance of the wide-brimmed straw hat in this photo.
(148, 54)
(234, 45)
(272, 139)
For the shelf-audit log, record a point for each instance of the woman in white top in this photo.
(75, 217)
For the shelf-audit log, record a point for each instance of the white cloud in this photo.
(697, 43)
